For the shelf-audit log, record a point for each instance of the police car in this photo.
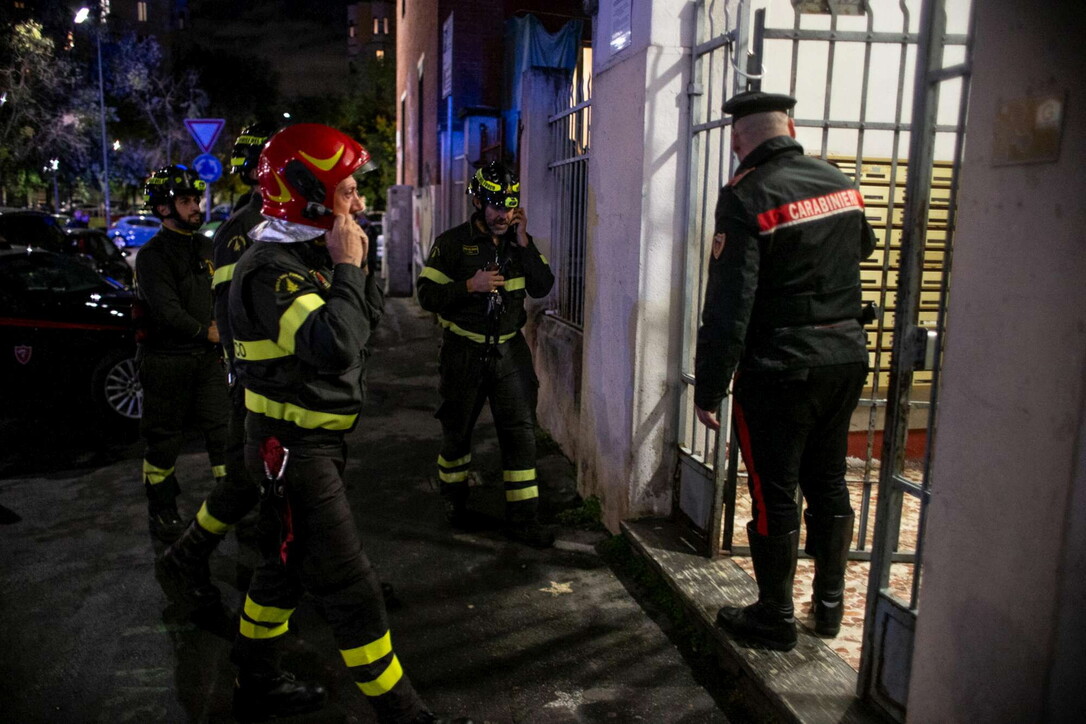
(66, 338)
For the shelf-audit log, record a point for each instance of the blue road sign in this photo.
(205, 131)
(209, 167)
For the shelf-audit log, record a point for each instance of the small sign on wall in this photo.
(1028, 130)
(621, 25)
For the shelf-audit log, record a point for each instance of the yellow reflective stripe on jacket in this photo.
(544, 260)
(155, 475)
(252, 631)
(295, 317)
(513, 496)
(383, 683)
(512, 285)
(218, 471)
(266, 614)
(518, 476)
(362, 655)
(428, 272)
(481, 339)
(258, 349)
(210, 523)
(308, 419)
(222, 275)
(453, 463)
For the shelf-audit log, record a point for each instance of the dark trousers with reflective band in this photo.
(180, 389)
(793, 430)
(235, 494)
(319, 551)
(469, 378)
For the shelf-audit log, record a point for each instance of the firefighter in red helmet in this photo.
(300, 315)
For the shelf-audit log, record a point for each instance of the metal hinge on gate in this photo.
(694, 89)
(920, 351)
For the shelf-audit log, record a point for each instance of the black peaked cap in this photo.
(748, 102)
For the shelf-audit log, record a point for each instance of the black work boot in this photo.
(522, 524)
(769, 621)
(183, 571)
(828, 541)
(163, 520)
(455, 496)
(259, 697)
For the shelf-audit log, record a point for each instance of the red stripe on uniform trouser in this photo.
(286, 515)
(761, 517)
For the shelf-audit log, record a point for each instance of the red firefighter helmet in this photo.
(300, 168)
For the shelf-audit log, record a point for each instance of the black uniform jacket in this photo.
(784, 277)
(299, 329)
(173, 283)
(230, 241)
(456, 256)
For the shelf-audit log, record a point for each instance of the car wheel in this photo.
(117, 388)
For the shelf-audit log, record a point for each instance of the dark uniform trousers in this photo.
(318, 550)
(793, 429)
(177, 388)
(505, 377)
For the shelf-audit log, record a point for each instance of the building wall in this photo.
(999, 636)
(418, 38)
(633, 282)
(363, 40)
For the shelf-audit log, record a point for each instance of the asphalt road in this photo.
(484, 627)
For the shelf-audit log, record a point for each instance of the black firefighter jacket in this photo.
(456, 256)
(173, 284)
(299, 329)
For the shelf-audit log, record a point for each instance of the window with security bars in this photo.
(570, 128)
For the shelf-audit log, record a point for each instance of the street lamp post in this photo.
(79, 18)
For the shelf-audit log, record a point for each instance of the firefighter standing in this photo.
(783, 307)
(183, 568)
(180, 362)
(299, 317)
(476, 279)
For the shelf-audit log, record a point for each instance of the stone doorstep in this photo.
(808, 685)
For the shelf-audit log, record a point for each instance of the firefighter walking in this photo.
(476, 279)
(298, 313)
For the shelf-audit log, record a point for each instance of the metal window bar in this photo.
(714, 76)
(570, 128)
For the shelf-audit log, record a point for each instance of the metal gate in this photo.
(851, 64)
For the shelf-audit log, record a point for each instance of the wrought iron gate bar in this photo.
(852, 36)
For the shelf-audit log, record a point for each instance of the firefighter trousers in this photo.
(506, 378)
(234, 494)
(179, 389)
(319, 551)
(793, 430)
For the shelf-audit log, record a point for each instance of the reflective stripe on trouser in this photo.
(177, 387)
(453, 475)
(793, 430)
(325, 558)
(234, 494)
(508, 381)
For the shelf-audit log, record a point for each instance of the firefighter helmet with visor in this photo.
(495, 184)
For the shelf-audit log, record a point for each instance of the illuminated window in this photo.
(376, 25)
(386, 26)
(380, 54)
(141, 12)
(20, 5)
(351, 30)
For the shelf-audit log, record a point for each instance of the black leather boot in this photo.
(769, 621)
(183, 570)
(163, 520)
(828, 541)
(261, 697)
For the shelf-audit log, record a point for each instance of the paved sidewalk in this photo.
(486, 627)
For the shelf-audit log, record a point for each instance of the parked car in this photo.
(133, 231)
(210, 227)
(66, 338)
(32, 228)
(94, 248)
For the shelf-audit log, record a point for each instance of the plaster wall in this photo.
(999, 633)
(637, 193)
